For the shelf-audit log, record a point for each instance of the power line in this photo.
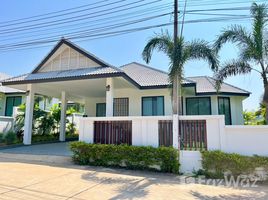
(78, 18)
(50, 13)
(103, 28)
(91, 23)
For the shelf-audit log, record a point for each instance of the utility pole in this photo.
(175, 81)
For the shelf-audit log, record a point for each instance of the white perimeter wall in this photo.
(244, 140)
(6, 124)
(144, 129)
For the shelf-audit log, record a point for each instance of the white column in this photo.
(109, 97)
(176, 131)
(63, 116)
(28, 123)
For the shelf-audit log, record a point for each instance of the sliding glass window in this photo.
(198, 106)
(152, 106)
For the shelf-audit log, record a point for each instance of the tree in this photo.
(178, 55)
(253, 49)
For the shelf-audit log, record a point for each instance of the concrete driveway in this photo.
(23, 176)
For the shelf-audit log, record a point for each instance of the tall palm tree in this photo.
(253, 49)
(178, 55)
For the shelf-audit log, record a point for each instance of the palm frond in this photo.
(235, 34)
(200, 49)
(259, 14)
(232, 68)
(161, 42)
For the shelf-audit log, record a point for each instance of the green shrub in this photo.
(130, 157)
(2, 138)
(217, 163)
(10, 138)
(44, 138)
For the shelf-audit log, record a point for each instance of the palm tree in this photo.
(253, 49)
(178, 55)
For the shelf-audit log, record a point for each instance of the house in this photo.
(70, 73)
(9, 98)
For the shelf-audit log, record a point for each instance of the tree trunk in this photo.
(177, 103)
(265, 95)
(175, 95)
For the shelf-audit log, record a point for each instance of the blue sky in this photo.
(123, 49)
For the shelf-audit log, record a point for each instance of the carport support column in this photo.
(28, 123)
(109, 97)
(63, 116)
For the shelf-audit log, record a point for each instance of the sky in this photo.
(123, 49)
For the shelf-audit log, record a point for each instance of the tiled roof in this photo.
(7, 90)
(205, 84)
(148, 76)
(65, 74)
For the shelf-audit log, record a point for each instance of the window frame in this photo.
(126, 98)
(188, 98)
(152, 108)
(97, 109)
(13, 100)
(230, 110)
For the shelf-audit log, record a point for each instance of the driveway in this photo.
(22, 176)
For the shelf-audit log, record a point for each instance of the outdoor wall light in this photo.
(107, 87)
(27, 93)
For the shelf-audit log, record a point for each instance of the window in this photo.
(198, 106)
(225, 109)
(121, 107)
(10, 103)
(152, 106)
(100, 109)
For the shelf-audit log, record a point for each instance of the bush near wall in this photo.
(163, 159)
(217, 163)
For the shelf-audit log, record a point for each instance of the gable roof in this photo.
(206, 85)
(147, 76)
(142, 76)
(75, 47)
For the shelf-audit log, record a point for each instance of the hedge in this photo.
(163, 159)
(217, 163)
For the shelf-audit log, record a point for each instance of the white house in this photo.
(70, 73)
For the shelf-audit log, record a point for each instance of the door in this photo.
(225, 109)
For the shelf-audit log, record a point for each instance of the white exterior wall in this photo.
(135, 99)
(6, 124)
(246, 140)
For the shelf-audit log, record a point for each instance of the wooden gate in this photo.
(113, 132)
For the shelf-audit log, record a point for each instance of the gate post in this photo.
(175, 131)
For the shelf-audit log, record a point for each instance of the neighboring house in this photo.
(135, 89)
(9, 98)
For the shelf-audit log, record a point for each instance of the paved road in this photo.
(37, 176)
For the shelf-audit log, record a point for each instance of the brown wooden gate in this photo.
(113, 132)
(192, 133)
